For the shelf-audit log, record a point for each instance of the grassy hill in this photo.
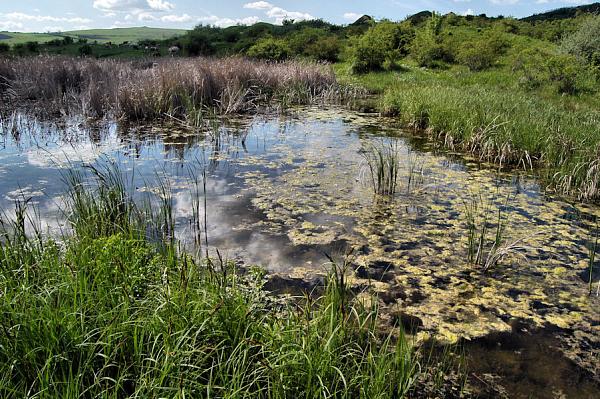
(117, 35)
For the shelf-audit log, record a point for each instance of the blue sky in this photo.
(60, 15)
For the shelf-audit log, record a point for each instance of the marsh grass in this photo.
(177, 89)
(414, 172)
(107, 311)
(486, 227)
(510, 128)
(382, 163)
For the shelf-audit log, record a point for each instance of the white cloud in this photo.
(352, 16)
(135, 6)
(177, 18)
(10, 25)
(160, 5)
(225, 22)
(259, 5)
(278, 13)
(19, 16)
(468, 12)
(146, 16)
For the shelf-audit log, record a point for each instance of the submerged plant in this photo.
(382, 163)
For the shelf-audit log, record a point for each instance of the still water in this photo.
(284, 191)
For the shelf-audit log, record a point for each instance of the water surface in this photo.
(284, 191)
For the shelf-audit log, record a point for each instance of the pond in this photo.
(289, 191)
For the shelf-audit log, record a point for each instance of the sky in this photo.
(64, 15)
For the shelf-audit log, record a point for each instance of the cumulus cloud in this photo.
(177, 18)
(135, 6)
(225, 22)
(259, 5)
(352, 16)
(19, 16)
(277, 13)
(11, 25)
(468, 12)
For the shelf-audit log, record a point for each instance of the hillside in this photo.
(564, 13)
(116, 35)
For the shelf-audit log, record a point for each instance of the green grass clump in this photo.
(110, 311)
(382, 164)
(506, 127)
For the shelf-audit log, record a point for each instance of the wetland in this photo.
(459, 253)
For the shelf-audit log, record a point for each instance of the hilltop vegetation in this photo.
(116, 35)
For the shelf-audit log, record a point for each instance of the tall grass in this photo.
(108, 312)
(382, 164)
(506, 127)
(486, 242)
(181, 88)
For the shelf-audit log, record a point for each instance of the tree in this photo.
(382, 45)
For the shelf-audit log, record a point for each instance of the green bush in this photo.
(539, 68)
(199, 43)
(85, 50)
(4, 48)
(585, 42)
(381, 46)
(430, 51)
(430, 48)
(475, 56)
(33, 47)
(325, 49)
(481, 54)
(269, 48)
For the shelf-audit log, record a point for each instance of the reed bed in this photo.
(146, 90)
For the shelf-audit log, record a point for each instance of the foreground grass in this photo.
(108, 312)
(486, 114)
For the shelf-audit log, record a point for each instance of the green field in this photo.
(117, 35)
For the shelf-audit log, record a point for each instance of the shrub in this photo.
(538, 68)
(476, 56)
(33, 47)
(199, 43)
(481, 54)
(4, 48)
(20, 48)
(85, 50)
(325, 49)
(430, 51)
(382, 45)
(585, 42)
(270, 48)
